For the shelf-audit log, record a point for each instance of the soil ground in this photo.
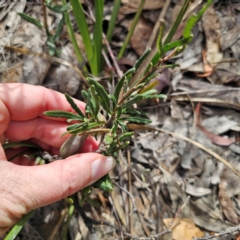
(179, 180)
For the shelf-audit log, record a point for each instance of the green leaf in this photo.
(135, 99)
(132, 28)
(122, 125)
(58, 8)
(104, 183)
(192, 21)
(85, 95)
(128, 74)
(59, 29)
(177, 43)
(97, 36)
(142, 58)
(102, 94)
(136, 120)
(123, 146)
(114, 128)
(18, 226)
(30, 19)
(93, 101)
(113, 102)
(93, 125)
(86, 126)
(134, 112)
(159, 39)
(74, 105)
(19, 144)
(113, 19)
(108, 139)
(63, 114)
(73, 38)
(177, 22)
(83, 28)
(119, 87)
(139, 97)
(125, 136)
(77, 127)
(119, 112)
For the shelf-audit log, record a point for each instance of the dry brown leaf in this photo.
(184, 229)
(208, 70)
(211, 26)
(141, 35)
(215, 139)
(226, 204)
(149, 4)
(12, 75)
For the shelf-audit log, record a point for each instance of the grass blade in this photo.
(192, 21)
(83, 28)
(30, 19)
(111, 26)
(130, 33)
(97, 38)
(17, 228)
(177, 22)
(72, 36)
(74, 106)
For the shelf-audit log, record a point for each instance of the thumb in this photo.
(23, 188)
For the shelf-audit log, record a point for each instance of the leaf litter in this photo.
(159, 171)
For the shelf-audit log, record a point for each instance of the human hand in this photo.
(24, 187)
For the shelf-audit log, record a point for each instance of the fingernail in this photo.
(101, 167)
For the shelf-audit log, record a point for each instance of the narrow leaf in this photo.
(97, 36)
(93, 101)
(63, 114)
(30, 19)
(77, 128)
(125, 136)
(122, 125)
(113, 19)
(159, 39)
(119, 87)
(119, 112)
(142, 58)
(136, 120)
(72, 37)
(102, 94)
(134, 112)
(113, 102)
(74, 105)
(59, 29)
(192, 21)
(104, 183)
(19, 144)
(17, 228)
(83, 28)
(85, 95)
(139, 97)
(58, 8)
(177, 22)
(177, 43)
(132, 28)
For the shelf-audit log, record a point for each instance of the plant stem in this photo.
(130, 33)
(177, 22)
(72, 35)
(111, 26)
(17, 228)
(45, 17)
(151, 70)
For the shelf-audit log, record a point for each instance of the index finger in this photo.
(24, 102)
